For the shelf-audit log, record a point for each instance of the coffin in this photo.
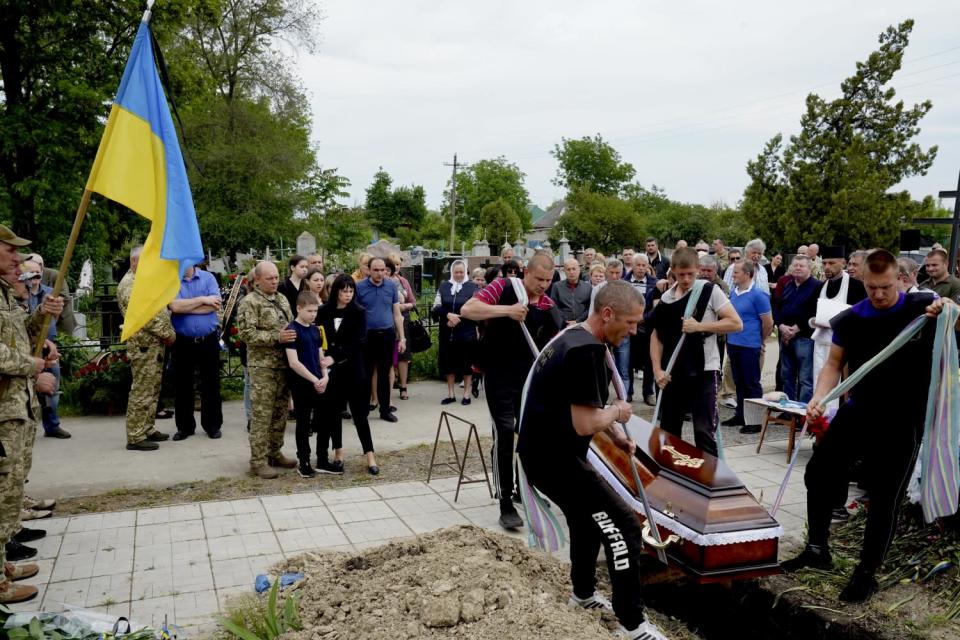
(725, 534)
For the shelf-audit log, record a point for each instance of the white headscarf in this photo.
(456, 286)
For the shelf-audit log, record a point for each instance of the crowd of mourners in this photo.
(320, 348)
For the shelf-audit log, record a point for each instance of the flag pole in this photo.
(72, 241)
(62, 273)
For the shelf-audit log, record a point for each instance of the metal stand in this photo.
(457, 464)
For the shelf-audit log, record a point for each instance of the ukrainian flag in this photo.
(140, 166)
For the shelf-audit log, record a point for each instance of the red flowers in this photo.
(817, 428)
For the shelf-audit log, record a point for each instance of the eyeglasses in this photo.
(734, 259)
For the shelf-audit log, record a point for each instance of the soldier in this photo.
(145, 350)
(21, 377)
(262, 320)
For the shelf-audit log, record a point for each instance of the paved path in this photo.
(185, 561)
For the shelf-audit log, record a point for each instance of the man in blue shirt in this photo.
(378, 296)
(792, 315)
(194, 318)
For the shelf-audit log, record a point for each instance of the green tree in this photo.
(498, 218)
(341, 230)
(832, 181)
(391, 209)
(486, 181)
(409, 205)
(591, 164)
(596, 220)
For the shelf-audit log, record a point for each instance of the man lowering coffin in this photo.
(566, 403)
(883, 428)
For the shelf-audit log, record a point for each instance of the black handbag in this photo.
(418, 338)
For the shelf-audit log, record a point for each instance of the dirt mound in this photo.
(462, 582)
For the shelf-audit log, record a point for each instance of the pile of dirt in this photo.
(463, 582)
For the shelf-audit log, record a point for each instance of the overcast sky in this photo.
(687, 92)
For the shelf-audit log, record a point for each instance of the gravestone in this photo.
(306, 244)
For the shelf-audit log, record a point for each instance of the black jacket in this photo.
(466, 331)
(344, 345)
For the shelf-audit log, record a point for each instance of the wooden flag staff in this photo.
(64, 264)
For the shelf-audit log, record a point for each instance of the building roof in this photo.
(549, 219)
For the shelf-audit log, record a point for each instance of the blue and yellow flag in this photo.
(140, 166)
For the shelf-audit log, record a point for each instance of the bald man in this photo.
(572, 295)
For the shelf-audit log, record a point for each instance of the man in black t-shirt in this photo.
(566, 403)
(885, 434)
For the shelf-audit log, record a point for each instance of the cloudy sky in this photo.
(688, 91)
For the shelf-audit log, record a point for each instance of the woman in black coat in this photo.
(458, 336)
(344, 326)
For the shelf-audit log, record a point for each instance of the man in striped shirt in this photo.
(506, 357)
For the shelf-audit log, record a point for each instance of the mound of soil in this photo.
(462, 582)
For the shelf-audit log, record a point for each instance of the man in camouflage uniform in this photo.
(21, 378)
(145, 350)
(262, 320)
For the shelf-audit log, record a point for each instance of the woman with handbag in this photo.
(458, 336)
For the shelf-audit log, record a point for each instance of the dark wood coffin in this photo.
(725, 534)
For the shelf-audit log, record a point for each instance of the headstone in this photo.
(481, 248)
(564, 250)
(217, 266)
(306, 244)
(243, 258)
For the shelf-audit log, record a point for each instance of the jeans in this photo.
(796, 368)
(745, 370)
(51, 418)
(621, 355)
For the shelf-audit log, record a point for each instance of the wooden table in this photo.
(794, 413)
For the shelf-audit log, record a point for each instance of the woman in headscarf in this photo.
(458, 336)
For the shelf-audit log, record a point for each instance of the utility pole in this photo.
(453, 201)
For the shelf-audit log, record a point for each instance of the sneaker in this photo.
(729, 402)
(144, 445)
(748, 429)
(35, 514)
(157, 436)
(809, 557)
(509, 518)
(29, 535)
(646, 631)
(840, 514)
(305, 470)
(57, 432)
(596, 601)
(17, 552)
(733, 422)
(13, 593)
(862, 585)
(34, 503)
(329, 468)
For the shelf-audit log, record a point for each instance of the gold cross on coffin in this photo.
(682, 459)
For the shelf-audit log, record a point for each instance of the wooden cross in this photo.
(954, 223)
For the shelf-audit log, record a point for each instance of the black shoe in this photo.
(346, 415)
(305, 470)
(291, 415)
(216, 435)
(389, 417)
(17, 552)
(57, 433)
(449, 400)
(840, 514)
(373, 470)
(337, 465)
(862, 585)
(749, 429)
(650, 400)
(808, 558)
(144, 445)
(180, 435)
(329, 468)
(157, 436)
(248, 426)
(733, 422)
(475, 388)
(373, 406)
(28, 535)
(510, 519)
(465, 401)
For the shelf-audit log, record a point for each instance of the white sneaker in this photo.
(646, 631)
(729, 402)
(596, 601)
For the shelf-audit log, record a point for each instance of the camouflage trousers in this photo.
(270, 399)
(146, 367)
(15, 436)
